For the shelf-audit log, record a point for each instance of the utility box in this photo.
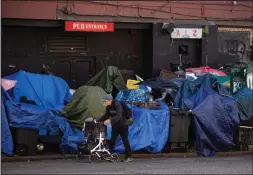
(179, 126)
(178, 130)
(245, 138)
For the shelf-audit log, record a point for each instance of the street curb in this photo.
(158, 155)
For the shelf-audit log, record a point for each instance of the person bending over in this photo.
(114, 115)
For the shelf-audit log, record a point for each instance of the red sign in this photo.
(89, 26)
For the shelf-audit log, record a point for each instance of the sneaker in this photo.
(108, 157)
(129, 159)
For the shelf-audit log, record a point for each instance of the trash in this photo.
(164, 74)
(72, 91)
(138, 78)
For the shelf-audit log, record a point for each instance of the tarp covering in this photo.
(108, 79)
(45, 115)
(158, 83)
(244, 97)
(215, 119)
(136, 95)
(189, 88)
(6, 137)
(86, 102)
(22, 115)
(150, 130)
(203, 70)
(49, 92)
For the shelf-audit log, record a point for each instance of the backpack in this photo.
(127, 113)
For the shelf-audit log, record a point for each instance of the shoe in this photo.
(108, 158)
(129, 159)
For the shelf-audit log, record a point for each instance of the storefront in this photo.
(180, 44)
(75, 51)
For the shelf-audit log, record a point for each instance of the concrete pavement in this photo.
(157, 155)
(189, 165)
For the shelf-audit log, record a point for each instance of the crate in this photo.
(25, 141)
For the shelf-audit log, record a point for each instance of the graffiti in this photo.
(234, 48)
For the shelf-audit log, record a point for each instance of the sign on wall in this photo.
(184, 33)
(89, 26)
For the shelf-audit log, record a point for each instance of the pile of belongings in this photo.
(217, 112)
(34, 101)
(45, 102)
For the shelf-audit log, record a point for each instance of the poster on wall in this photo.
(77, 26)
(187, 33)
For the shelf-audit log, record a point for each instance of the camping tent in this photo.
(109, 79)
(85, 103)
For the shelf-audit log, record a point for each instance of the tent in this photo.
(6, 137)
(108, 79)
(215, 119)
(49, 93)
(150, 131)
(244, 98)
(85, 103)
(189, 88)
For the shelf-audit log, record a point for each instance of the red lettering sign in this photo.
(178, 33)
(89, 26)
(194, 32)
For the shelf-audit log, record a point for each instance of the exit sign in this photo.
(187, 33)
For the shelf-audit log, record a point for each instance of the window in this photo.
(66, 44)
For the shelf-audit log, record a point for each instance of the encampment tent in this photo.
(108, 79)
(85, 103)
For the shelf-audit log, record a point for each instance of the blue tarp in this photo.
(150, 130)
(50, 93)
(158, 83)
(189, 88)
(6, 137)
(215, 119)
(135, 95)
(244, 97)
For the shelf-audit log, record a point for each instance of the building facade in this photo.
(35, 34)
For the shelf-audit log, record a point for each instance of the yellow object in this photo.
(131, 84)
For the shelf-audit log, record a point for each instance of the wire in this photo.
(163, 11)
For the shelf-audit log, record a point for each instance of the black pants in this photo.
(123, 132)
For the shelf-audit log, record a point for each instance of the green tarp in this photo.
(85, 103)
(109, 79)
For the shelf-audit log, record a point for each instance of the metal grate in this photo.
(66, 44)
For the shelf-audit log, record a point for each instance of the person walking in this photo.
(114, 115)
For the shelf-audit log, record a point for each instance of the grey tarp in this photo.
(109, 79)
(85, 103)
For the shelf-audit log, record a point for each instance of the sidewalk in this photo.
(158, 155)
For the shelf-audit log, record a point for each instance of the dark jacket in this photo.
(114, 112)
